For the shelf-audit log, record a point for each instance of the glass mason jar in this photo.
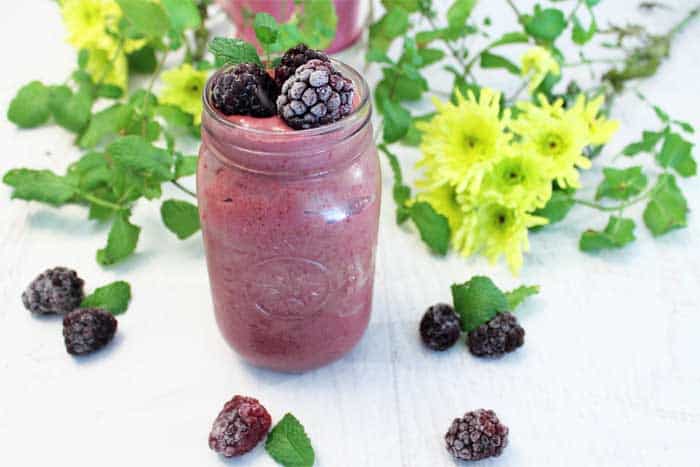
(241, 12)
(289, 221)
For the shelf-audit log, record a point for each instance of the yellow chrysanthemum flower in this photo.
(559, 140)
(496, 230)
(600, 129)
(183, 88)
(536, 62)
(108, 66)
(88, 21)
(444, 200)
(462, 139)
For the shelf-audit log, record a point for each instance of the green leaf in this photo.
(648, 143)
(424, 38)
(393, 24)
(185, 166)
(458, 12)
(109, 91)
(233, 51)
(414, 136)
(180, 217)
(663, 116)
(433, 227)
(289, 445)
(408, 5)
(667, 208)
(580, 35)
(516, 296)
(429, 56)
(546, 24)
(83, 58)
(397, 119)
(406, 83)
(685, 126)
(318, 23)
(40, 185)
(114, 297)
(30, 107)
(106, 123)
(676, 152)
(145, 18)
(183, 14)
(71, 111)
(557, 207)
(621, 184)
(143, 61)
(477, 301)
(510, 38)
(618, 233)
(136, 154)
(121, 241)
(489, 60)
(266, 28)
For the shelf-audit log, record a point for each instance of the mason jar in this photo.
(289, 221)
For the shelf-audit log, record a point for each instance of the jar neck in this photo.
(290, 153)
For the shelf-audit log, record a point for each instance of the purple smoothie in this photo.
(289, 221)
(348, 30)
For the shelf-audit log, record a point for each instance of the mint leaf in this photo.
(618, 233)
(458, 12)
(289, 445)
(408, 5)
(433, 227)
(393, 24)
(667, 209)
(676, 153)
(106, 123)
(114, 297)
(185, 166)
(621, 184)
(266, 28)
(477, 301)
(397, 119)
(109, 91)
(30, 107)
(233, 51)
(136, 154)
(121, 241)
(180, 217)
(40, 185)
(509, 38)
(143, 61)
(516, 296)
(71, 111)
(580, 35)
(183, 14)
(547, 24)
(489, 60)
(557, 207)
(406, 83)
(318, 23)
(145, 18)
(685, 126)
(647, 144)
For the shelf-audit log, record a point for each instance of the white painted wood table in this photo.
(609, 375)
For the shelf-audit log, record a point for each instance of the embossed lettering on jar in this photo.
(290, 221)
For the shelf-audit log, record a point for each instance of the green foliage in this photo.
(114, 297)
(180, 217)
(40, 185)
(229, 51)
(477, 301)
(489, 60)
(546, 25)
(121, 242)
(433, 227)
(145, 19)
(621, 184)
(30, 107)
(517, 296)
(182, 14)
(557, 207)
(676, 153)
(667, 208)
(288, 444)
(618, 233)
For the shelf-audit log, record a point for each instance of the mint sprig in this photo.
(289, 445)
(114, 297)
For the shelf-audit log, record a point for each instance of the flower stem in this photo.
(620, 207)
(684, 22)
(184, 188)
(101, 202)
(514, 8)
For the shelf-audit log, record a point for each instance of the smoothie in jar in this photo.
(289, 220)
(241, 12)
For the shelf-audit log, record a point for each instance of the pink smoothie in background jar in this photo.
(290, 220)
(348, 30)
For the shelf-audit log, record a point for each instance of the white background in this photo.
(609, 374)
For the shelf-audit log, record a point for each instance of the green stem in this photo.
(450, 47)
(573, 12)
(594, 61)
(152, 83)
(518, 91)
(201, 34)
(101, 202)
(684, 22)
(514, 8)
(619, 207)
(184, 188)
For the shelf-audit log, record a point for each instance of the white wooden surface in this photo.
(609, 375)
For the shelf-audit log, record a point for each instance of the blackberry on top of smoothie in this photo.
(305, 90)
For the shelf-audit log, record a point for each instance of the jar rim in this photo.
(358, 116)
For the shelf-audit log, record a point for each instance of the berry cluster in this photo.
(307, 91)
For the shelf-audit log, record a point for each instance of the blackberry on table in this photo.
(500, 335)
(57, 290)
(245, 89)
(293, 59)
(239, 427)
(440, 327)
(317, 94)
(86, 330)
(477, 435)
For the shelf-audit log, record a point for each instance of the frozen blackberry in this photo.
(316, 95)
(239, 427)
(477, 435)
(500, 335)
(293, 59)
(86, 330)
(245, 89)
(440, 327)
(57, 290)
